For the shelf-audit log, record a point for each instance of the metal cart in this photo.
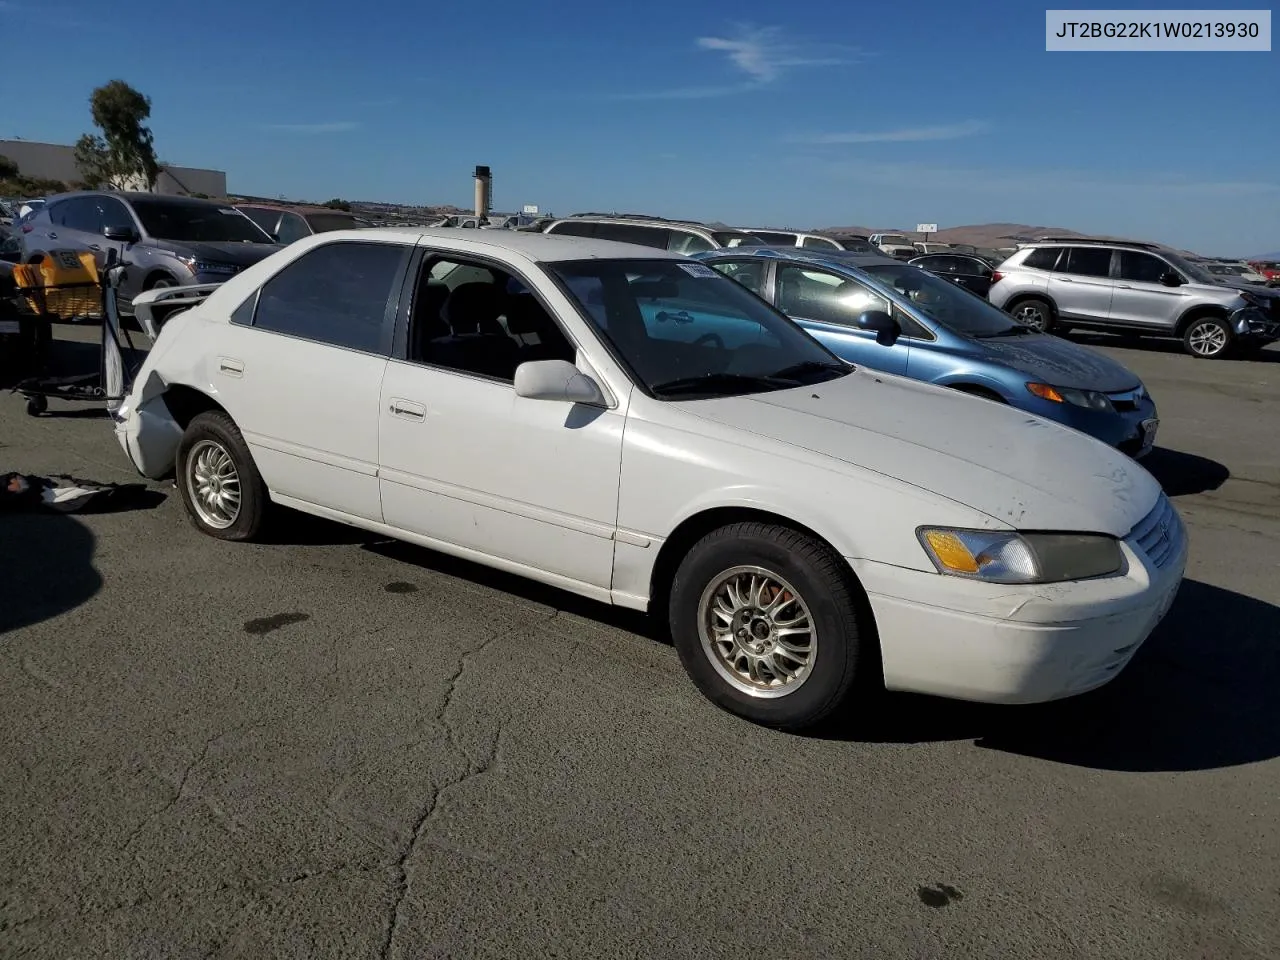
(87, 293)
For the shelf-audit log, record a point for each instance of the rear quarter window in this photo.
(1042, 258)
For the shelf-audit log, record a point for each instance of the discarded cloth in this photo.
(65, 494)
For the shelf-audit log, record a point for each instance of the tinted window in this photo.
(829, 298)
(266, 219)
(292, 227)
(937, 264)
(195, 222)
(324, 222)
(335, 294)
(1088, 262)
(683, 242)
(820, 242)
(572, 228)
(775, 239)
(1042, 258)
(630, 233)
(749, 273)
(115, 214)
(80, 213)
(1141, 267)
(944, 302)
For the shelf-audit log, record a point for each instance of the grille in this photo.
(1160, 534)
(1126, 401)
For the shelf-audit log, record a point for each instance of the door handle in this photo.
(408, 409)
(93, 246)
(1123, 286)
(52, 235)
(230, 367)
(1064, 279)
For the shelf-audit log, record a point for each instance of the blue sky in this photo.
(753, 113)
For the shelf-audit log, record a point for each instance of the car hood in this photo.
(1058, 362)
(1024, 471)
(240, 254)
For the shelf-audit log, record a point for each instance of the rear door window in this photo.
(336, 294)
(1087, 262)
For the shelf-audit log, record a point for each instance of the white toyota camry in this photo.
(630, 425)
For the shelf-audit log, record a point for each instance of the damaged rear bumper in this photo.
(147, 432)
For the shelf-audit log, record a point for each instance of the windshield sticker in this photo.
(697, 270)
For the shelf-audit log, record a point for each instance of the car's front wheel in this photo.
(1208, 338)
(219, 484)
(765, 622)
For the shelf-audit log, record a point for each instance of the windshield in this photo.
(1193, 270)
(946, 303)
(734, 238)
(1228, 270)
(197, 223)
(897, 238)
(687, 332)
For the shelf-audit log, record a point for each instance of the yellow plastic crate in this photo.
(63, 283)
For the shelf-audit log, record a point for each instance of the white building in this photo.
(55, 161)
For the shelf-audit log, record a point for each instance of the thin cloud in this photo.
(951, 131)
(762, 53)
(332, 126)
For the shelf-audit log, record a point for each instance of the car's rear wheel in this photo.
(765, 622)
(1208, 338)
(217, 479)
(1034, 312)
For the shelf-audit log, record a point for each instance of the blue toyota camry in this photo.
(888, 315)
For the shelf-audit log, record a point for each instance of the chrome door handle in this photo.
(94, 246)
(1123, 286)
(230, 366)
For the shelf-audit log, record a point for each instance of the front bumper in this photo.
(1131, 428)
(993, 643)
(1255, 325)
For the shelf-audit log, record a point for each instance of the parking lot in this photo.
(337, 746)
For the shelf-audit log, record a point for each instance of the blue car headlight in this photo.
(1089, 399)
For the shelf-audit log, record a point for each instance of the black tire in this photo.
(216, 428)
(1208, 338)
(1035, 313)
(822, 583)
(36, 406)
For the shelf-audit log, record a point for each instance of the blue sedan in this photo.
(888, 315)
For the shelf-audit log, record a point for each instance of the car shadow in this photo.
(1182, 474)
(632, 621)
(51, 572)
(290, 527)
(1161, 345)
(1200, 695)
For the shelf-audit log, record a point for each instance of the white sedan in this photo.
(630, 425)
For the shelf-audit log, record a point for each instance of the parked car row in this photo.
(799, 522)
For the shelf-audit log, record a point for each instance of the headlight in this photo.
(1089, 399)
(1007, 557)
(207, 266)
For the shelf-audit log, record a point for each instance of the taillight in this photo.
(996, 277)
(26, 228)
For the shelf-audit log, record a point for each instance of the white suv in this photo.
(1134, 288)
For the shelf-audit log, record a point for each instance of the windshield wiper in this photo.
(725, 383)
(811, 366)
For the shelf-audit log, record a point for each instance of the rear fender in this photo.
(146, 429)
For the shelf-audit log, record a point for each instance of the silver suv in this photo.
(1134, 288)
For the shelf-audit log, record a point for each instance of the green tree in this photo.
(337, 204)
(124, 151)
(8, 169)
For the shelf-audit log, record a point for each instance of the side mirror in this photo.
(557, 380)
(125, 234)
(886, 328)
(1171, 279)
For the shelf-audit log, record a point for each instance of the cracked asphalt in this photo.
(336, 746)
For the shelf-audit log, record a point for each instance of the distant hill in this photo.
(1266, 256)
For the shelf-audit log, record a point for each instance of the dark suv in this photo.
(169, 241)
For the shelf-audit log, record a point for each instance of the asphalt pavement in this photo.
(337, 746)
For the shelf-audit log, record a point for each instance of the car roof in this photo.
(643, 221)
(134, 195)
(842, 258)
(538, 247)
(301, 211)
